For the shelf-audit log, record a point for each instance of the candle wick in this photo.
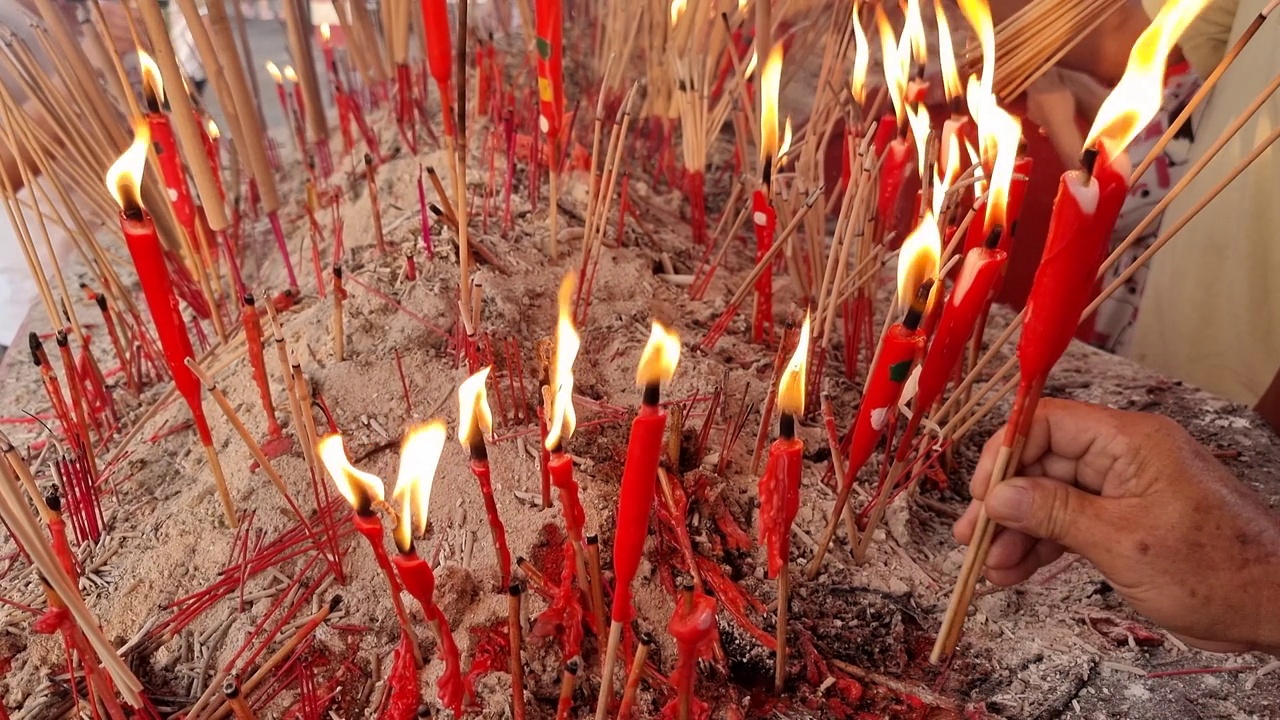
(993, 237)
(787, 426)
(921, 302)
(1088, 160)
(652, 394)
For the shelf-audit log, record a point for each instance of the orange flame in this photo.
(918, 119)
(563, 418)
(978, 13)
(1136, 98)
(211, 128)
(677, 9)
(791, 384)
(895, 69)
(289, 74)
(660, 357)
(419, 458)
(751, 64)
(943, 182)
(770, 81)
(947, 56)
(785, 146)
(274, 72)
(325, 32)
(360, 488)
(918, 259)
(913, 34)
(474, 414)
(125, 176)
(1002, 132)
(152, 82)
(861, 58)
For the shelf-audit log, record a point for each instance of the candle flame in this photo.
(563, 419)
(360, 488)
(1001, 132)
(325, 32)
(660, 357)
(124, 178)
(677, 9)
(918, 120)
(1137, 96)
(289, 74)
(861, 58)
(785, 146)
(947, 56)
(942, 184)
(751, 64)
(152, 82)
(474, 414)
(895, 70)
(274, 72)
(770, 81)
(211, 128)
(913, 34)
(978, 13)
(419, 459)
(918, 259)
(791, 384)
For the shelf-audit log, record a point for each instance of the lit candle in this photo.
(299, 114)
(283, 96)
(475, 420)
(213, 152)
(340, 98)
(635, 499)
(779, 489)
(899, 349)
(561, 425)
(419, 459)
(364, 491)
(896, 163)
(166, 146)
(763, 217)
(124, 180)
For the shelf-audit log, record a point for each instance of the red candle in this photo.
(970, 296)
(420, 582)
(212, 150)
(902, 344)
(644, 450)
(165, 145)
(1065, 279)
(363, 491)
(1022, 168)
(561, 468)
(326, 47)
(157, 288)
(435, 20)
(894, 169)
(550, 22)
(475, 420)
(779, 487)
(404, 94)
(765, 221)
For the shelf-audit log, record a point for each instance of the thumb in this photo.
(1051, 510)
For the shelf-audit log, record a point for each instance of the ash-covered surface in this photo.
(1029, 652)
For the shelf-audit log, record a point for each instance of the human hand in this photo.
(1182, 540)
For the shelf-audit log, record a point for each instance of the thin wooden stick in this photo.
(516, 633)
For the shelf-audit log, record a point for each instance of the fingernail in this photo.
(1009, 503)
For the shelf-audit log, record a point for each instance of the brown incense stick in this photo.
(516, 634)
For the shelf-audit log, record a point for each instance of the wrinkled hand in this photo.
(1182, 540)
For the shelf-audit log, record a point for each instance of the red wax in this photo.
(694, 630)
(974, 288)
(544, 457)
(635, 502)
(1112, 173)
(212, 153)
(404, 697)
(893, 173)
(885, 132)
(418, 579)
(302, 115)
(975, 236)
(1065, 279)
(480, 468)
(371, 528)
(1022, 166)
(561, 467)
(958, 127)
(404, 94)
(157, 290)
(175, 180)
(765, 221)
(898, 353)
(62, 547)
(550, 26)
(435, 18)
(780, 500)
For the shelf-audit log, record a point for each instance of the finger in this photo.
(963, 528)
(1052, 510)
(1086, 440)
(986, 465)
(1041, 554)
(1008, 548)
